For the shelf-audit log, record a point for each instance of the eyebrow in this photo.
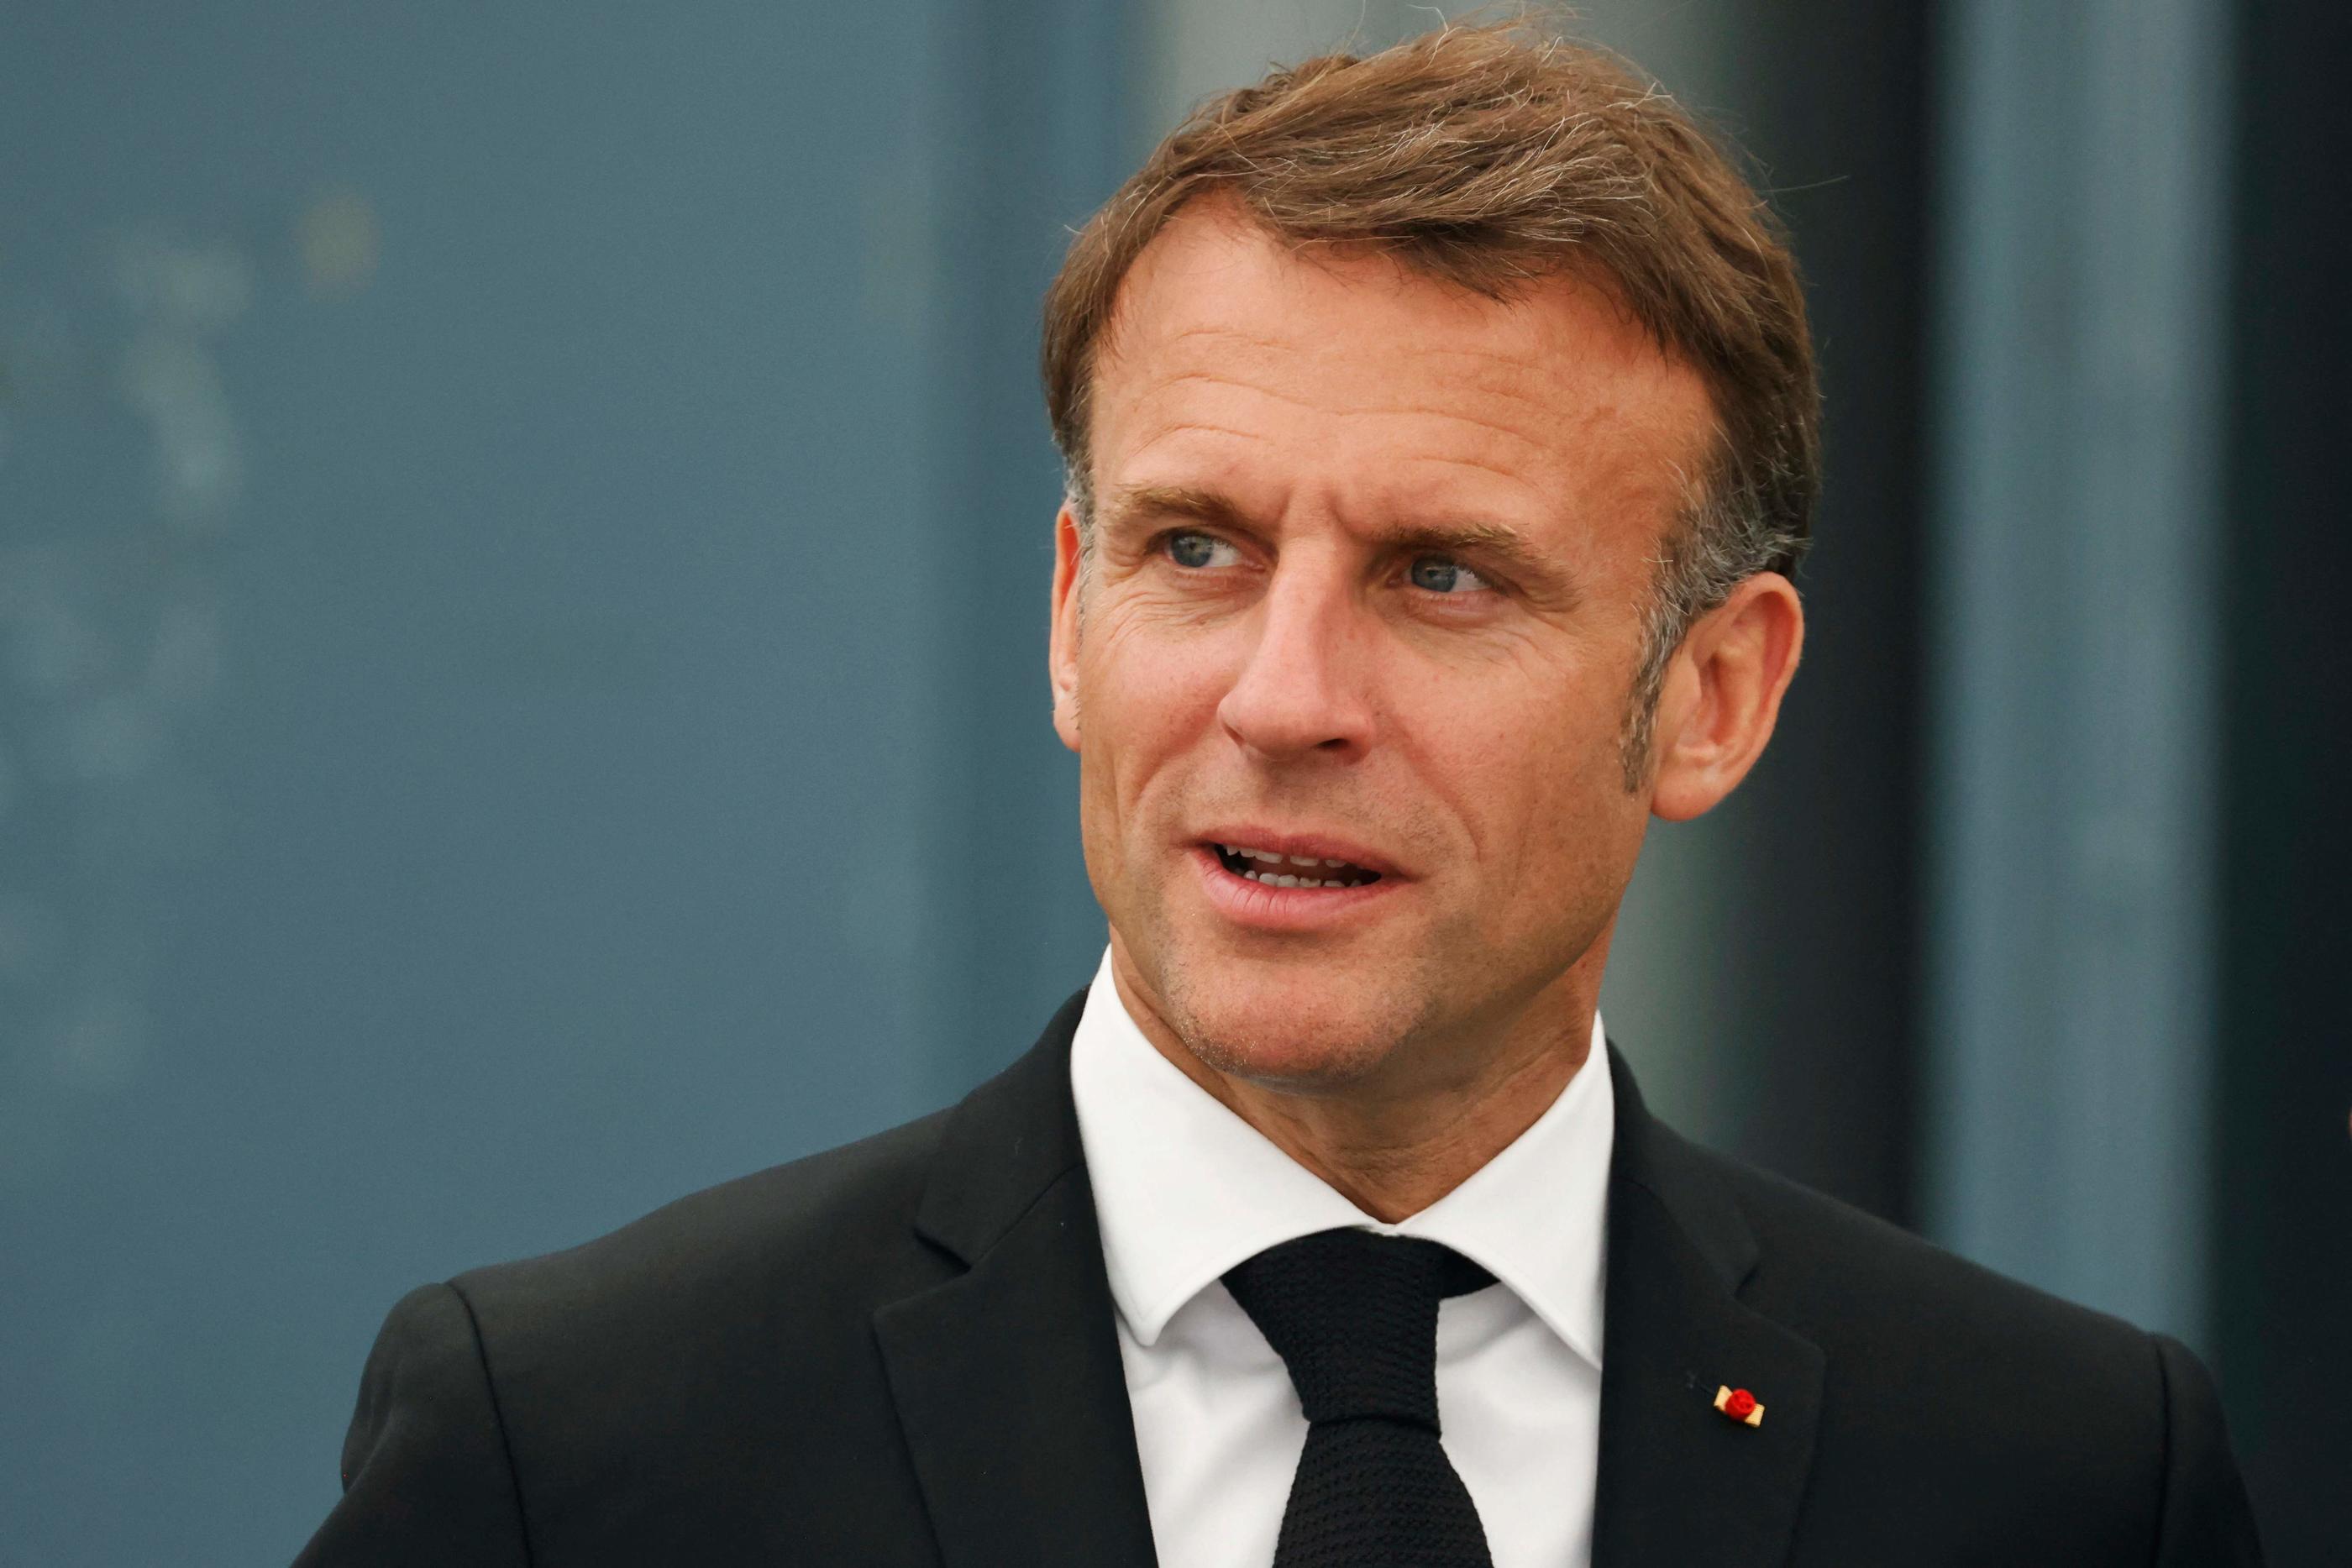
(1473, 537)
(1131, 502)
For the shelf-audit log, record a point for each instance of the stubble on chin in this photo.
(1303, 1044)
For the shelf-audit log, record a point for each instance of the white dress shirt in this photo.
(1185, 1189)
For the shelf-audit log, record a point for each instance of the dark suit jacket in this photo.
(903, 1353)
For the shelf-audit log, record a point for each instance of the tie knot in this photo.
(1354, 1317)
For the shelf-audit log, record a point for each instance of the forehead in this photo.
(1346, 371)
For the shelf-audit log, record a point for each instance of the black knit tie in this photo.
(1354, 1317)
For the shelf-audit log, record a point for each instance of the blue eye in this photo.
(1198, 550)
(1443, 574)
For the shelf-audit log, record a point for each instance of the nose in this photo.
(1301, 689)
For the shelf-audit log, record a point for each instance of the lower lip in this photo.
(1265, 908)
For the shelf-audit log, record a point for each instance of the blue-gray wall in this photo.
(516, 524)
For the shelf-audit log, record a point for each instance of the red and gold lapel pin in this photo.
(1740, 1405)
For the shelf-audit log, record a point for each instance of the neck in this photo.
(1395, 1144)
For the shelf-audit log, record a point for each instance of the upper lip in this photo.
(1307, 845)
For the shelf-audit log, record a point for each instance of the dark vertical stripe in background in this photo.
(2284, 1262)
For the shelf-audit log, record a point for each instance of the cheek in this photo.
(1145, 698)
(1528, 762)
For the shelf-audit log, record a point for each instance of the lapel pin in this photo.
(1740, 1405)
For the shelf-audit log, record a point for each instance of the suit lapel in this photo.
(1679, 1482)
(1007, 1376)
(1014, 1402)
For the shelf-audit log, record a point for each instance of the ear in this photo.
(1721, 695)
(1061, 652)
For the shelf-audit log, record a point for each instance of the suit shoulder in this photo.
(1835, 1267)
(830, 1226)
(1966, 1371)
(1954, 1393)
(734, 1325)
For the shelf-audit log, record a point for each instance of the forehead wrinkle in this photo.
(1410, 411)
(1234, 334)
(1550, 366)
(1375, 409)
(1553, 362)
(1557, 394)
(1549, 409)
(1188, 426)
(1545, 402)
(1223, 339)
(1521, 480)
(1177, 378)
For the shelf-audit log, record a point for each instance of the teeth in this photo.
(1275, 881)
(1268, 859)
(1272, 857)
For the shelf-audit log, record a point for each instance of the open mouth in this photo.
(1291, 871)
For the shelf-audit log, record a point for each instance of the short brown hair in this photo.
(1491, 157)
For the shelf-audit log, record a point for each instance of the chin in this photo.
(1288, 1031)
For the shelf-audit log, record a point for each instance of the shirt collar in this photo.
(1184, 1188)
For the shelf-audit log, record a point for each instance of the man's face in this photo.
(1369, 566)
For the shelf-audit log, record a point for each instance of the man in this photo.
(1441, 431)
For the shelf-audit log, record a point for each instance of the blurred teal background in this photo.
(523, 553)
